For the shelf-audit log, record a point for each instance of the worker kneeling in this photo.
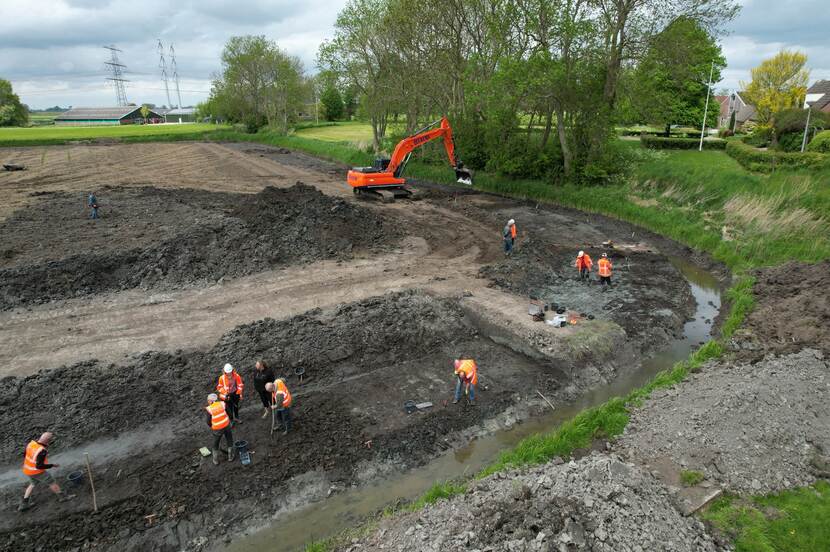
(220, 424)
(281, 402)
(467, 373)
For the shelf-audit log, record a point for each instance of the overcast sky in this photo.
(52, 51)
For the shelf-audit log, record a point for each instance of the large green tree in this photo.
(259, 84)
(12, 112)
(671, 81)
(332, 103)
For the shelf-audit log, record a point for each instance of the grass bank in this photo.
(57, 135)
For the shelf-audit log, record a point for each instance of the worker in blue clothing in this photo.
(92, 203)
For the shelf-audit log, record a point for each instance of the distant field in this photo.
(354, 131)
(43, 117)
(58, 134)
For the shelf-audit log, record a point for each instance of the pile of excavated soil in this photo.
(362, 360)
(596, 503)
(755, 428)
(173, 238)
(649, 297)
(792, 309)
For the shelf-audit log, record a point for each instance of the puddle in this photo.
(347, 509)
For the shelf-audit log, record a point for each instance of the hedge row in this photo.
(767, 161)
(821, 143)
(656, 142)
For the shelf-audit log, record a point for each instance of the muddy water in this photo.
(347, 509)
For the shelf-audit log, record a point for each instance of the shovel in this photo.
(273, 423)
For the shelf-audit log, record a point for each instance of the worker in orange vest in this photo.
(230, 388)
(220, 424)
(604, 267)
(35, 464)
(509, 235)
(466, 371)
(281, 401)
(583, 265)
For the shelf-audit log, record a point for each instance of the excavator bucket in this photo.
(463, 175)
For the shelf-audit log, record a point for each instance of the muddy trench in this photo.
(140, 418)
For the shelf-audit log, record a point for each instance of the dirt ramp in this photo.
(176, 238)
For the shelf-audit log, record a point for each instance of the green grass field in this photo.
(356, 132)
(43, 118)
(45, 135)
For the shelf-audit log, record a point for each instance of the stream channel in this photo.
(347, 509)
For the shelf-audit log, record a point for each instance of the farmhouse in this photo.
(818, 96)
(93, 116)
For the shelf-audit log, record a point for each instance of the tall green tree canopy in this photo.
(12, 112)
(259, 84)
(670, 82)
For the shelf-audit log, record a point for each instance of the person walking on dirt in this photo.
(281, 401)
(466, 371)
(263, 375)
(92, 203)
(230, 390)
(509, 236)
(220, 424)
(583, 265)
(604, 267)
(35, 464)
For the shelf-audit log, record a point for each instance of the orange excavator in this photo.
(383, 180)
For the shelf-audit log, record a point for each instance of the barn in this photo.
(100, 116)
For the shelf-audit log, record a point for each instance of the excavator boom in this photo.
(384, 178)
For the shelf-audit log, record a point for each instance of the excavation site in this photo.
(114, 331)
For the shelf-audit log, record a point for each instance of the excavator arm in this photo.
(384, 178)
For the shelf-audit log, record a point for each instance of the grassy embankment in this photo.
(56, 135)
(705, 200)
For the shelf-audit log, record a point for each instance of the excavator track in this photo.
(386, 195)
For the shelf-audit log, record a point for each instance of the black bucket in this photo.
(409, 407)
(75, 478)
(241, 446)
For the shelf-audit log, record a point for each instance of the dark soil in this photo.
(792, 310)
(362, 362)
(152, 238)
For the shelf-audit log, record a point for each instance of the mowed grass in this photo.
(355, 132)
(45, 135)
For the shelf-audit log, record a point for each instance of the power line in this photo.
(175, 74)
(117, 78)
(163, 66)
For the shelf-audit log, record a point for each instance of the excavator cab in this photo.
(383, 179)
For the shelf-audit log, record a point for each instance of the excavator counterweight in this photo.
(384, 180)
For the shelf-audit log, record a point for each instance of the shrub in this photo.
(794, 120)
(821, 143)
(791, 141)
(768, 161)
(656, 142)
(760, 137)
(726, 133)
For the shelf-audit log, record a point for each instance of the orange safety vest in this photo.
(224, 385)
(30, 460)
(584, 261)
(279, 387)
(513, 231)
(604, 267)
(468, 370)
(218, 417)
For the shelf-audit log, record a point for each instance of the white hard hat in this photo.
(580, 254)
(511, 222)
(605, 254)
(212, 397)
(228, 368)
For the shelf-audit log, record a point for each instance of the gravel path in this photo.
(754, 428)
(597, 503)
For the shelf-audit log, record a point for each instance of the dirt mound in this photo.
(792, 309)
(755, 428)
(649, 298)
(596, 503)
(215, 238)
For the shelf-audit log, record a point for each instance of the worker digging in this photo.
(509, 236)
(230, 388)
(220, 424)
(35, 466)
(466, 372)
(281, 402)
(263, 375)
